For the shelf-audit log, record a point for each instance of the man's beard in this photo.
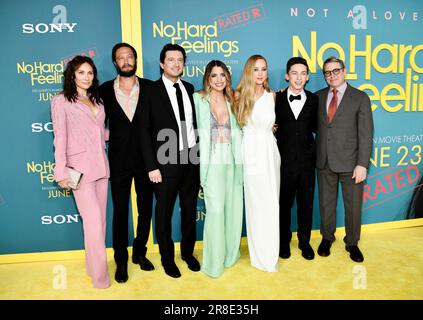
(126, 73)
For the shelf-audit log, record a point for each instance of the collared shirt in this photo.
(296, 105)
(171, 91)
(127, 103)
(339, 93)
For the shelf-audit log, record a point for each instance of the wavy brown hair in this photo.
(69, 86)
(244, 99)
(228, 91)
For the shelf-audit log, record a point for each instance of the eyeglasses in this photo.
(335, 72)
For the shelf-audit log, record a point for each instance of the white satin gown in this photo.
(262, 185)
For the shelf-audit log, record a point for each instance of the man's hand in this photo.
(359, 174)
(155, 176)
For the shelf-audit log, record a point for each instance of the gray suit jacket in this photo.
(347, 141)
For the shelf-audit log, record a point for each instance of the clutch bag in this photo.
(75, 177)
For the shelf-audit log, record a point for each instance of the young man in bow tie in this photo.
(296, 119)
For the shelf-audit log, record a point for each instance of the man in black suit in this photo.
(170, 152)
(344, 146)
(122, 103)
(296, 119)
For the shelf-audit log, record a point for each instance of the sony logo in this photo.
(50, 27)
(60, 219)
(40, 127)
(59, 23)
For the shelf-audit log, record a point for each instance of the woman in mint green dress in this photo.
(221, 171)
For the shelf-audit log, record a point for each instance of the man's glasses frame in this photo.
(334, 72)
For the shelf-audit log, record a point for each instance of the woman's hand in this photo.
(65, 183)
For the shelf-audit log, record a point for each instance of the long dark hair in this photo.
(69, 86)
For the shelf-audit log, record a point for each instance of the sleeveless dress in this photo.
(262, 184)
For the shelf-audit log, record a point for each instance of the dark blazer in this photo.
(295, 136)
(157, 114)
(347, 141)
(124, 141)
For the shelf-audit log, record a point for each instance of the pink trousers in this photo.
(91, 200)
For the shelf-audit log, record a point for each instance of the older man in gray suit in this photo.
(344, 146)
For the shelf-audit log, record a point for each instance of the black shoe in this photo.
(171, 269)
(324, 248)
(307, 251)
(284, 251)
(121, 274)
(144, 263)
(355, 253)
(192, 263)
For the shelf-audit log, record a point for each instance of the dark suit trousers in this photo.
(186, 184)
(297, 181)
(328, 198)
(121, 189)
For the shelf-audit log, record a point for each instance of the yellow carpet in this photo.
(392, 269)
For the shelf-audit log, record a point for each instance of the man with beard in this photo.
(122, 103)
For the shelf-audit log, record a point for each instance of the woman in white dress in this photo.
(255, 111)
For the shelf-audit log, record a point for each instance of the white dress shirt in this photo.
(171, 91)
(297, 105)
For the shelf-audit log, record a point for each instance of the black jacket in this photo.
(158, 118)
(124, 141)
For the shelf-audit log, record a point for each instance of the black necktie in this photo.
(182, 116)
(292, 97)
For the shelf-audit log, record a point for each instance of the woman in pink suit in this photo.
(79, 141)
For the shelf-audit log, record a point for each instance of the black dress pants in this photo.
(297, 182)
(186, 185)
(121, 189)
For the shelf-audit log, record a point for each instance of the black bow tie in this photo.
(292, 97)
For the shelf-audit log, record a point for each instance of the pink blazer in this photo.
(79, 140)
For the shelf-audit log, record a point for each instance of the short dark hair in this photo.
(296, 60)
(171, 47)
(69, 87)
(121, 45)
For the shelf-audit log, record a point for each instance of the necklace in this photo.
(83, 95)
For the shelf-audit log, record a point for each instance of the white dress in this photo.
(262, 184)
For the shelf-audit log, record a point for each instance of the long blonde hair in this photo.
(244, 98)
